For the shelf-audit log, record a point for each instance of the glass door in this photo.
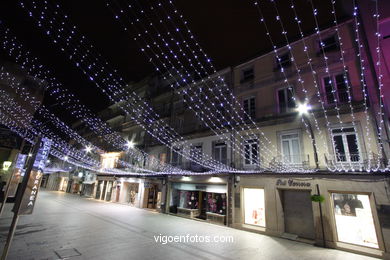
(345, 144)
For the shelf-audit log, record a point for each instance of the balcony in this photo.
(195, 167)
(354, 162)
(296, 161)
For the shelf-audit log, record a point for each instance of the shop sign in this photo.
(292, 183)
(31, 193)
(34, 182)
(21, 161)
(201, 187)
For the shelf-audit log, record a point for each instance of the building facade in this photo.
(304, 144)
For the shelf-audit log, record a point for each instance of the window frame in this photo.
(347, 153)
(335, 88)
(249, 111)
(283, 63)
(251, 141)
(179, 156)
(300, 145)
(244, 78)
(288, 109)
(329, 48)
(220, 144)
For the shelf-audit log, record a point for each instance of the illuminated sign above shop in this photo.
(6, 165)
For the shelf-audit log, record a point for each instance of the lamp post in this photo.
(303, 110)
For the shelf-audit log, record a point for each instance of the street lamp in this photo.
(130, 144)
(303, 110)
(88, 149)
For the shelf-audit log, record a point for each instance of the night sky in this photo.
(228, 30)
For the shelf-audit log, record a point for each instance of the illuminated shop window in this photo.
(354, 221)
(254, 212)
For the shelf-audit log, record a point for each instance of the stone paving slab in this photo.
(65, 226)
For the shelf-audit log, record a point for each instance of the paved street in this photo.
(78, 228)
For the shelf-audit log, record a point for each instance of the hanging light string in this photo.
(241, 122)
(64, 97)
(331, 167)
(284, 33)
(208, 163)
(222, 167)
(187, 90)
(218, 84)
(10, 107)
(332, 84)
(71, 133)
(286, 80)
(362, 80)
(27, 131)
(149, 121)
(380, 77)
(192, 39)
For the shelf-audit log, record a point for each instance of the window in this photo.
(254, 210)
(336, 89)
(176, 156)
(286, 101)
(345, 145)
(220, 152)
(291, 148)
(251, 150)
(354, 220)
(284, 61)
(329, 44)
(195, 153)
(162, 157)
(247, 74)
(249, 108)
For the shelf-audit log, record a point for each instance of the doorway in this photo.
(298, 213)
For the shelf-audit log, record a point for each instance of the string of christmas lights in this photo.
(194, 96)
(71, 133)
(224, 167)
(63, 96)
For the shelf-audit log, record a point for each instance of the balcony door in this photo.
(220, 152)
(345, 145)
(291, 150)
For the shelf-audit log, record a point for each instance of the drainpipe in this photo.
(321, 217)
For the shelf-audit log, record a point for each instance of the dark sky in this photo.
(228, 31)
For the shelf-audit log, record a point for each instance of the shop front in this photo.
(139, 192)
(104, 187)
(88, 187)
(152, 194)
(203, 198)
(63, 183)
(289, 207)
(57, 181)
(128, 191)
